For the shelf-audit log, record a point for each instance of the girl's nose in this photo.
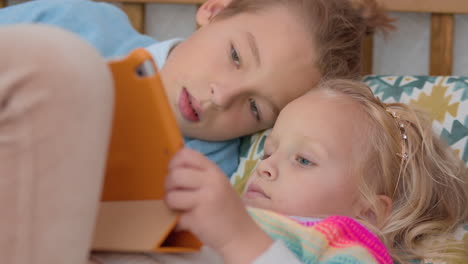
(267, 170)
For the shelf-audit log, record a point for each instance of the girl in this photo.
(334, 154)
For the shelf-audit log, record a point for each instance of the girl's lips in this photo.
(187, 107)
(254, 191)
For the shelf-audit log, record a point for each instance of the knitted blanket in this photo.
(336, 239)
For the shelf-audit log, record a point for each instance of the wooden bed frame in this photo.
(442, 26)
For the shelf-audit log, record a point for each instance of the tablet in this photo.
(145, 134)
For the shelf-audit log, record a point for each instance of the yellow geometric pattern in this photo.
(436, 103)
(249, 166)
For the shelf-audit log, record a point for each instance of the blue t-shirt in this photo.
(108, 29)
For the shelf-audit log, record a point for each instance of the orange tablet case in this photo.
(145, 135)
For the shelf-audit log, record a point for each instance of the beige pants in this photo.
(56, 101)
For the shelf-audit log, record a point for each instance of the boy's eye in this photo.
(235, 57)
(303, 161)
(254, 109)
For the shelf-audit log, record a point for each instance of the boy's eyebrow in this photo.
(254, 48)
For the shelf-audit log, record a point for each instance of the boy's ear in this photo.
(209, 10)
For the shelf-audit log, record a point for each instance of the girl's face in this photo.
(234, 75)
(307, 168)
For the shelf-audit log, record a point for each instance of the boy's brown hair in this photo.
(338, 28)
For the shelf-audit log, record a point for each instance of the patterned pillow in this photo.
(445, 97)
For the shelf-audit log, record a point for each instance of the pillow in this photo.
(444, 97)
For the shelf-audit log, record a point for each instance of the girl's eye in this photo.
(264, 156)
(303, 161)
(254, 109)
(235, 57)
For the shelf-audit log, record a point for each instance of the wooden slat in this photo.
(441, 52)
(136, 14)
(367, 55)
(161, 1)
(427, 6)
(3, 3)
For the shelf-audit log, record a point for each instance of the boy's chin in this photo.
(202, 133)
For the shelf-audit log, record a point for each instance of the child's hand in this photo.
(211, 209)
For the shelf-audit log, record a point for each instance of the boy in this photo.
(225, 81)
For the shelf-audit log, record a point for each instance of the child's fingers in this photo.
(183, 178)
(181, 200)
(189, 158)
(184, 223)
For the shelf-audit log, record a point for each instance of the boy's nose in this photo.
(223, 96)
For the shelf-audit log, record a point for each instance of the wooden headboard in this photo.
(442, 31)
(442, 26)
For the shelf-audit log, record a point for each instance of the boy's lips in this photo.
(189, 107)
(254, 191)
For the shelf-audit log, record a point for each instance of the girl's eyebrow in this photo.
(254, 48)
(268, 141)
(317, 147)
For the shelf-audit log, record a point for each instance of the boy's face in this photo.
(234, 75)
(307, 167)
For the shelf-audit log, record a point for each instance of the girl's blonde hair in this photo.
(337, 27)
(429, 188)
